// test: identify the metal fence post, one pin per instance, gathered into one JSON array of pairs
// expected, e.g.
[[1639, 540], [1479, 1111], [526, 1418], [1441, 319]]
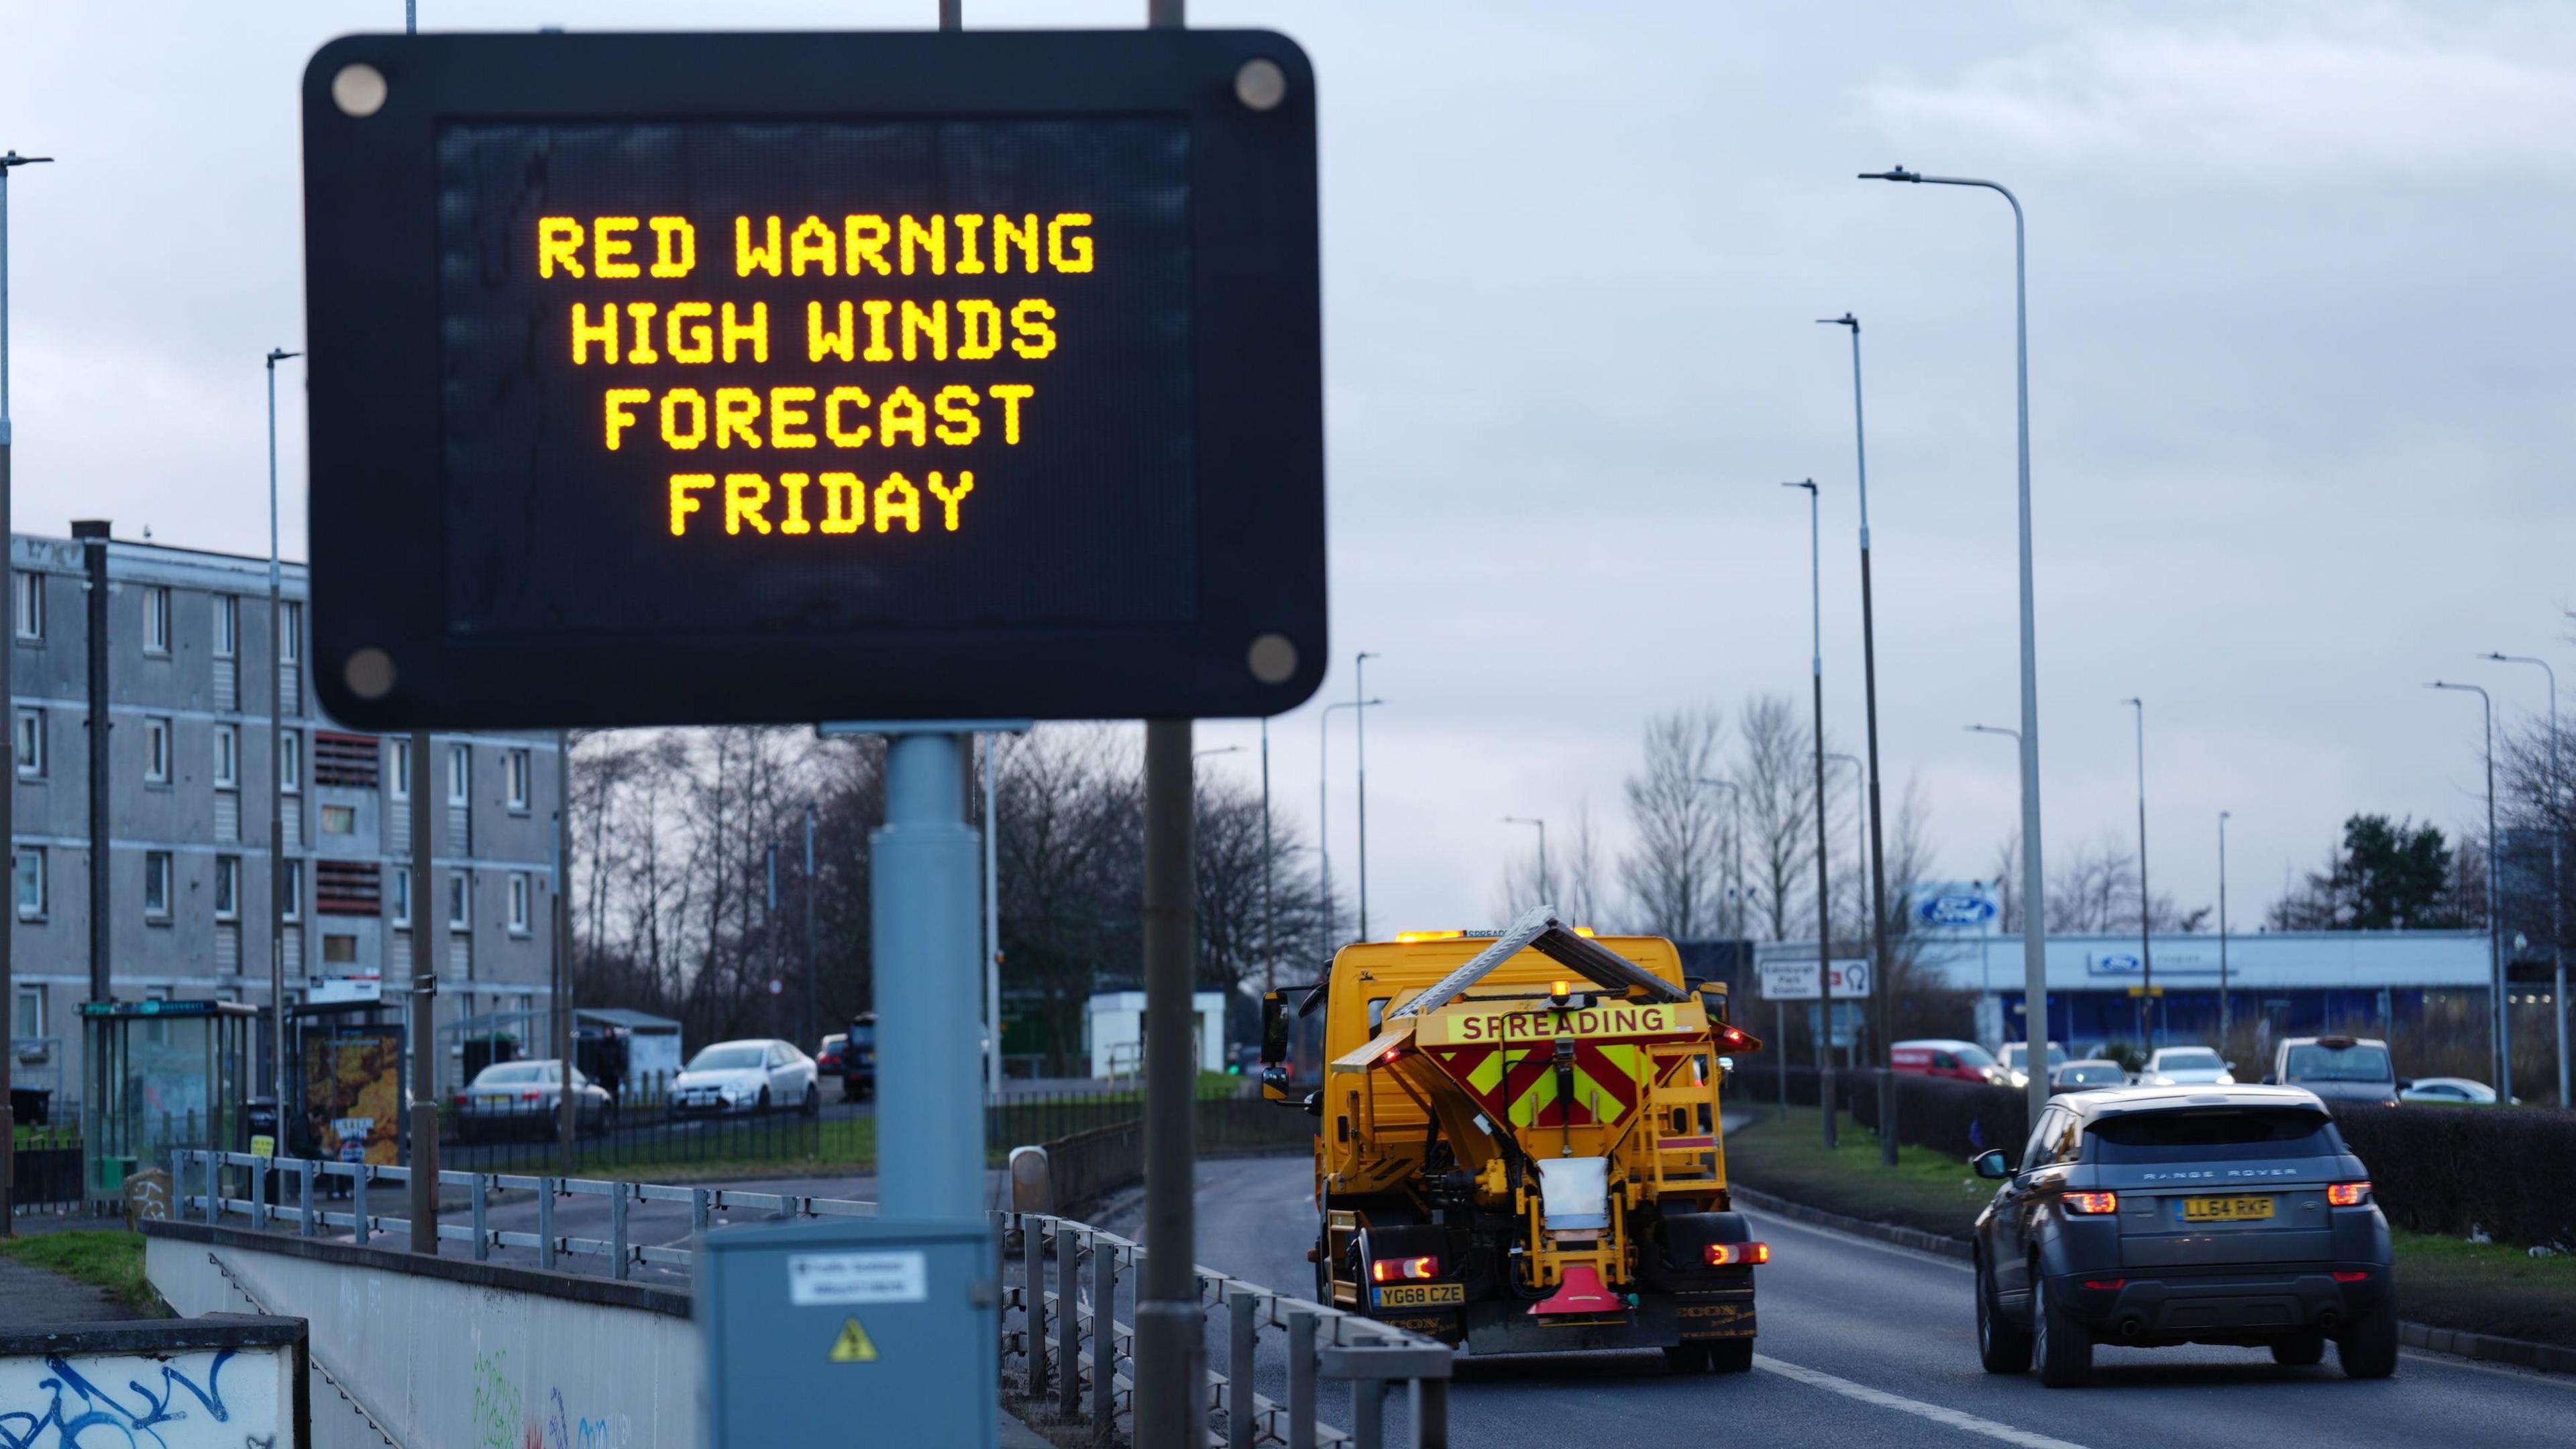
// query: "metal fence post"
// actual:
[[1430, 1414], [1104, 1340], [214, 1187], [312, 1222], [1301, 1379], [1368, 1413], [1033, 1308], [259, 1193], [697, 1212], [482, 1238], [1068, 1322], [617, 1226], [1242, 1329], [358, 1199], [546, 1222]]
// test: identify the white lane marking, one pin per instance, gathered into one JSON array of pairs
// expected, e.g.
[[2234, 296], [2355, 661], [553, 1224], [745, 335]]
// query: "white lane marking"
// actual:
[[1967, 1423], [1898, 1249]]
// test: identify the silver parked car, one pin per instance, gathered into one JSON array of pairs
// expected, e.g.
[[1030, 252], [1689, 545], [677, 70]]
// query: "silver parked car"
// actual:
[[2187, 1066], [753, 1075], [2091, 1075], [523, 1098]]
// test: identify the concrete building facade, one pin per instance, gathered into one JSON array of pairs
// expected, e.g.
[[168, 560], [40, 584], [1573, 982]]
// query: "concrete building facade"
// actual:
[[192, 760]]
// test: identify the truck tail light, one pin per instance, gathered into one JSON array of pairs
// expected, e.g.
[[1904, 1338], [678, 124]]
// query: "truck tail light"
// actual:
[[2092, 1204], [2348, 1194], [1738, 1255], [1389, 1270]]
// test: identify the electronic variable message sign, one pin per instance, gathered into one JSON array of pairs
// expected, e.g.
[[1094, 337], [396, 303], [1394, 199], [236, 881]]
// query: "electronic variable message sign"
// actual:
[[706, 378]]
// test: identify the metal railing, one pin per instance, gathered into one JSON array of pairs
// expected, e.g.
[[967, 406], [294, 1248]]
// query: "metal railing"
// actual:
[[1052, 1332]]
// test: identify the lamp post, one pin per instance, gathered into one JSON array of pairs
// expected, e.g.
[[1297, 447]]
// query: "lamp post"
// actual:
[[2034, 945], [1882, 989], [276, 762], [1543, 891], [2146, 920], [1735, 846], [2225, 1021], [1359, 726], [2503, 1027], [1323, 798], [1269, 874], [8, 783], [1824, 892], [2557, 880], [1860, 852], [2029, 1004]]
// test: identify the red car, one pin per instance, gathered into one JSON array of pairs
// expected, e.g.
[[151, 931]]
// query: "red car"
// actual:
[[827, 1062], [1939, 1057]]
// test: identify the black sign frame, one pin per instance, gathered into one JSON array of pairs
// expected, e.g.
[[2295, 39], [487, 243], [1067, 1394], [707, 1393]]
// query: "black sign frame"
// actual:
[[383, 655]]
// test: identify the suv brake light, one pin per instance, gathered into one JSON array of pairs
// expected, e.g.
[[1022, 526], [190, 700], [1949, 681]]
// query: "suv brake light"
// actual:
[[2092, 1204], [1387, 1270], [1738, 1255], [2348, 1194]]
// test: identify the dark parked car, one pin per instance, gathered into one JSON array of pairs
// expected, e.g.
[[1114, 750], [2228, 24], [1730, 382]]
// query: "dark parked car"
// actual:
[[2152, 1216], [859, 1058], [2338, 1068], [2088, 1076]]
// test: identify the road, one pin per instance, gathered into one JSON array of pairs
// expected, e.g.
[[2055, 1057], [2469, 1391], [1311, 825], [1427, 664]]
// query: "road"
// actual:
[[1868, 1344]]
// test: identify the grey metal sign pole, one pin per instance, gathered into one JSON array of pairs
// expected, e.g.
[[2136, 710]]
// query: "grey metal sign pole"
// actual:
[[276, 792], [423, 1005], [93, 536], [922, 888], [9, 783]]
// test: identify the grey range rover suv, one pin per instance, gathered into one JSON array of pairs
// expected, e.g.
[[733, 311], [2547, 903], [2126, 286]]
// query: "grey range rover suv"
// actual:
[[2153, 1216]]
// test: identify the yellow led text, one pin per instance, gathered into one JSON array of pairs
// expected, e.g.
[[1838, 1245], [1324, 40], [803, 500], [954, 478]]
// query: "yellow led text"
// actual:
[[751, 504], [906, 245], [800, 416]]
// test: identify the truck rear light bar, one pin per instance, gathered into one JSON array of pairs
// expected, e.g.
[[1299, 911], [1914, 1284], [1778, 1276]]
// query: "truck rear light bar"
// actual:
[[1389, 1270], [1738, 1255]]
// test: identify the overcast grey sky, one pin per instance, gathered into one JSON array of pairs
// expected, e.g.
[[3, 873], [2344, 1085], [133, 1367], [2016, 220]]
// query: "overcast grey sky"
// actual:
[[2299, 347]]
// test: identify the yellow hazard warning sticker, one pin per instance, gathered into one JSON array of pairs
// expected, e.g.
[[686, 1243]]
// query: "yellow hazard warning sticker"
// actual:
[[854, 1345]]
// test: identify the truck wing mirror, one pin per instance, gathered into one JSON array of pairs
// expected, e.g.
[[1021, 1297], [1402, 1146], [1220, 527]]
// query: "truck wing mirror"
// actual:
[[1274, 1084]]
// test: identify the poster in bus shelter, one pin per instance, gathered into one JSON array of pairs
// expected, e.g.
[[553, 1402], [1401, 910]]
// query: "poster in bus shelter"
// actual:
[[353, 1094]]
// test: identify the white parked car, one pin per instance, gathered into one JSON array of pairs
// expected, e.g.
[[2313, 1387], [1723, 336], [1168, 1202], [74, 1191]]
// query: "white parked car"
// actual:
[[2187, 1067], [2451, 1091], [754, 1075]]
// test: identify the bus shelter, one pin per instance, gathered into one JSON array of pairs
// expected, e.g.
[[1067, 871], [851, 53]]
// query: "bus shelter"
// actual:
[[158, 1076]]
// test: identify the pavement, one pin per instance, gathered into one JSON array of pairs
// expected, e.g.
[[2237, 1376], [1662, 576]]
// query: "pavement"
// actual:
[[33, 1297], [1864, 1343]]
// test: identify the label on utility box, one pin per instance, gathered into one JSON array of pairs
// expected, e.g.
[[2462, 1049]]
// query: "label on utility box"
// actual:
[[831, 1279]]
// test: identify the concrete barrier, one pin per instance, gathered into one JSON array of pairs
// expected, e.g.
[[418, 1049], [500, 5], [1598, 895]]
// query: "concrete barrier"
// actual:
[[1088, 1166], [426, 1353], [191, 1383]]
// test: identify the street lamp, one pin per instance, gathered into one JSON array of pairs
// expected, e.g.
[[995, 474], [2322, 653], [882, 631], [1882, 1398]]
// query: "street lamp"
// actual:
[[2038, 1043], [1323, 797], [2223, 1019], [277, 760], [2557, 886], [8, 785], [2034, 946], [1735, 845], [2503, 1029], [2146, 930], [1220, 750], [1881, 987], [1359, 726], [1824, 892], [1542, 853]]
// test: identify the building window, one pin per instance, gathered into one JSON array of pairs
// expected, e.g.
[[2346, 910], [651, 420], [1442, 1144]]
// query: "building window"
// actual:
[[520, 892], [228, 887], [339, 820], [227, 625], [156, 751], [398, 766], [29, 1021], [156, 885], [460, 900], [31, 744], [156, 618], [31, 882], [290, 634], [519, 781], [402, 896], [290, 762], [295, 890], [339, 950], [30, 591], [460, 774], [227, 757]]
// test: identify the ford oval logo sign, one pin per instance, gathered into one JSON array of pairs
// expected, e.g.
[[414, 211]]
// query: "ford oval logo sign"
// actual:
[[1955, 909]]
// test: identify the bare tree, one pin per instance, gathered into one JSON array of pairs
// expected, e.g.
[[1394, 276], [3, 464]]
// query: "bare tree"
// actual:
[[1677, 825], [1571, 880], [2094, 892], [1777, 775]]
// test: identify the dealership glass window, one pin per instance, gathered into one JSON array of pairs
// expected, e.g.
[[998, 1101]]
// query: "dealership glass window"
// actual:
[[227, 625], [31, 744], [227, 757], [519, 769], [29, 589], [339, 820], [156, 885], [398, 769], [156, 618], [156, 750], [400, 880], [228, 887], [31, 882], [460, 774], [290, 762], [460, 900], [521, 892], [295, 890]]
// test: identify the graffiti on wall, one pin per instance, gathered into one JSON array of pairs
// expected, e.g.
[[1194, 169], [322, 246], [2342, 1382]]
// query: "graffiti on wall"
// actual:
[[500, 1423], [182, 1401]]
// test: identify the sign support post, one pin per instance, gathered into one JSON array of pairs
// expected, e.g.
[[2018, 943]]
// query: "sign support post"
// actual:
[[922, 888], [1170, 1341]]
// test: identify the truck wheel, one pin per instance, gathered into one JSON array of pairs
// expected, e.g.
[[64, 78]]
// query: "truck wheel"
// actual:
[[1731, 1356], [2300, 1351], [2003, 1346], [1686, 1358], [2058, 1342], [2368, 1350]]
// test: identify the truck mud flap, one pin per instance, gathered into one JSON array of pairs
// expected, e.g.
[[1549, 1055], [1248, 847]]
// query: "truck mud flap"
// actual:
[[1716, 1315], [1507, 1327]]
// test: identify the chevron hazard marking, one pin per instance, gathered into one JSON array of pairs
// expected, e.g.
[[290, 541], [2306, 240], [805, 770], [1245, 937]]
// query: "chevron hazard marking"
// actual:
[[854, 1345]]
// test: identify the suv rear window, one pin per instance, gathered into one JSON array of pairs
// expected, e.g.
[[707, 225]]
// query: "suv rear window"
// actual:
[[2220, 1133], [2321, 1063]]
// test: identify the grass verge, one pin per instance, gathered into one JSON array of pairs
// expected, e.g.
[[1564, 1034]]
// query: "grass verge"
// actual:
[[109, 1260], [2446, 1282]]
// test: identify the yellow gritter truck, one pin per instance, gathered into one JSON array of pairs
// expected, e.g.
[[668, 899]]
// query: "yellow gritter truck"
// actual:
[[1518, 1148]]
